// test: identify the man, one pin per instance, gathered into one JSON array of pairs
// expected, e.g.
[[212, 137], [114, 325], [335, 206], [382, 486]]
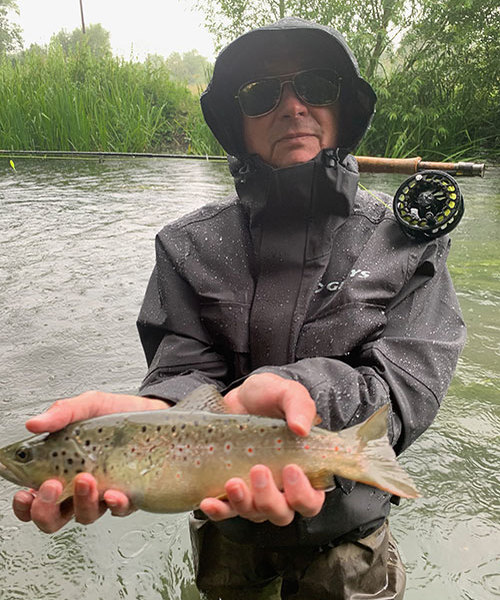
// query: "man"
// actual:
[[300, 295]]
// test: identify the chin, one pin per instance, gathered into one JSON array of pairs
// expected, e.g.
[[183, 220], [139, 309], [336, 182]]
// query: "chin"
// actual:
[[295, 158]]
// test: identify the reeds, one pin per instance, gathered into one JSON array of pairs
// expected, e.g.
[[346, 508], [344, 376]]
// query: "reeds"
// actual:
[[54, 101]]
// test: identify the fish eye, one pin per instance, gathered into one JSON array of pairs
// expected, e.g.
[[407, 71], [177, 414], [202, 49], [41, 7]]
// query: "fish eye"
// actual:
[[23, 454]]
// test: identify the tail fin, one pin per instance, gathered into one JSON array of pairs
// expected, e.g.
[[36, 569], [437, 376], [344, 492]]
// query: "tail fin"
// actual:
[[381, 468]]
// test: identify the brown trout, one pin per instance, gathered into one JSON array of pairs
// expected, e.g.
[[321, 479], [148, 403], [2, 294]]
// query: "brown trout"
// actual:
[[169, 460]]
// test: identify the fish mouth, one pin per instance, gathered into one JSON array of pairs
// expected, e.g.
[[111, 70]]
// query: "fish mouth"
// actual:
[[10, 475]]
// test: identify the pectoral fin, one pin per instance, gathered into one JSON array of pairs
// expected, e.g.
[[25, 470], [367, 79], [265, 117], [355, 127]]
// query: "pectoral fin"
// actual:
[[68, 492], [322, 480]]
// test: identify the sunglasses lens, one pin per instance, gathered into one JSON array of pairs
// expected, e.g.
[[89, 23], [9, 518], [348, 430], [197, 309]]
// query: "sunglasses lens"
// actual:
[[318, 88], [259, 97]]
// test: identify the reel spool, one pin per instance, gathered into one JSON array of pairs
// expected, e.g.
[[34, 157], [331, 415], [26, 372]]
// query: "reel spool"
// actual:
[[428, 205]]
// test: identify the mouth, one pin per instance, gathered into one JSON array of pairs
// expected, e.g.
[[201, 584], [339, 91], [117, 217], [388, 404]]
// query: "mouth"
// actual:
[[8, 474], [294, 136]]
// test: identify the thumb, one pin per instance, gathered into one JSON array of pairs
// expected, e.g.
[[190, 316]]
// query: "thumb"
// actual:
[[89, 405], [56, 417]]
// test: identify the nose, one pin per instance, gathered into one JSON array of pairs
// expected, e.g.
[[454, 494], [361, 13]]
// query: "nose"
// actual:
[[290, 104]]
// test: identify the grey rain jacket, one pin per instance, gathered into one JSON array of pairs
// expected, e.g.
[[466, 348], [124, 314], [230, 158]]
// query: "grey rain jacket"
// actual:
[[303, 275]]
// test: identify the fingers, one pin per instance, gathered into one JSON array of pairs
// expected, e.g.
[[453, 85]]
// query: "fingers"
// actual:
[[42, 507], [45, 513], [273, 396], [87, 506], [268, 500], [22, 505], [299, 493], [118, 503], [88, 405], [263, 501]]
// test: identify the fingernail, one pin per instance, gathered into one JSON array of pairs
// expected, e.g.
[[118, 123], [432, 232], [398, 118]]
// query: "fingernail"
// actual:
[[302, 422], [48, 494], [82, 488], [259, 479], [237, 494], [291, 476]]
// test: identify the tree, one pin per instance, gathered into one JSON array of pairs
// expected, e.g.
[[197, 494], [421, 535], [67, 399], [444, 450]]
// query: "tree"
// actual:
[[190, 67], [95, 38], [434, 65], [10, 34], [370, 26]]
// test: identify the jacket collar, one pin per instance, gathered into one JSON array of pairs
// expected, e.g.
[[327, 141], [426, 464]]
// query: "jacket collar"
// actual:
[[322, 187]]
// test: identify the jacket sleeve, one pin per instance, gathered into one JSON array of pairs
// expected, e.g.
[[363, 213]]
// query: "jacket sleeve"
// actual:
[[178, 350], [409, 366]]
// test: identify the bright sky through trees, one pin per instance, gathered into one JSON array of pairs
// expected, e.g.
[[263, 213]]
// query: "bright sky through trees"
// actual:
[[136, 28]]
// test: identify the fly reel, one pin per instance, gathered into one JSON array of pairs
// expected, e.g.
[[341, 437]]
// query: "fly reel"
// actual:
[[428, 205]]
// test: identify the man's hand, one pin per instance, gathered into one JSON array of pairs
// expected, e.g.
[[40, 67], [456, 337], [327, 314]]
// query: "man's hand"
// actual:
[[41, 506], [269, 395]]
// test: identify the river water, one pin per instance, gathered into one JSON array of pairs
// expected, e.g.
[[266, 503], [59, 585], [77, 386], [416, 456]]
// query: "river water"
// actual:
[[77, 248]]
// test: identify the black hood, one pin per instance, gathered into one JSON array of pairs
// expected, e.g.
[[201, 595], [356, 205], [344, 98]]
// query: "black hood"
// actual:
[[246, 58]]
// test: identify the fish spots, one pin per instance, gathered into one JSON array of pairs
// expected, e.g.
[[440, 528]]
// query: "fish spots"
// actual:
[[278, 444], [306, 447], [250, 450], [229, 464], [228, 447], [211, 449]]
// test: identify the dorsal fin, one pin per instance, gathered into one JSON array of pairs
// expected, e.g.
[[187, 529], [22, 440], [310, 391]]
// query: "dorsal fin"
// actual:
[[204, 398]]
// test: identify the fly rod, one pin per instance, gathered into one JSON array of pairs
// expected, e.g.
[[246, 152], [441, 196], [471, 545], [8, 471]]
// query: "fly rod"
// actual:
[[367, 164], [409, 166]]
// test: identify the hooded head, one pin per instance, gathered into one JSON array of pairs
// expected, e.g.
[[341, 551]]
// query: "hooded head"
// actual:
[[266, 51]]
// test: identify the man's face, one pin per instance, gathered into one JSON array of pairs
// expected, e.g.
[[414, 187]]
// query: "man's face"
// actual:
[[294, 132]]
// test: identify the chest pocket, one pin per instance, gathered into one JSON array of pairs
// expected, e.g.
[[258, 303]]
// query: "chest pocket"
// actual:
[[341, 331], [227, 324]]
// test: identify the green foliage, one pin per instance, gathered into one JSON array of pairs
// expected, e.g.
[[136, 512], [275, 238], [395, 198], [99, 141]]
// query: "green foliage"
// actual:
[[190, 68], [434, 65], [95, 38], [10, 34], [53, 100], [201, 139]]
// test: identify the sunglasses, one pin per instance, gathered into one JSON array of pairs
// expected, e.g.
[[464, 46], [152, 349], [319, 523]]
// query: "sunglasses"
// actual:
[[317, 87]]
